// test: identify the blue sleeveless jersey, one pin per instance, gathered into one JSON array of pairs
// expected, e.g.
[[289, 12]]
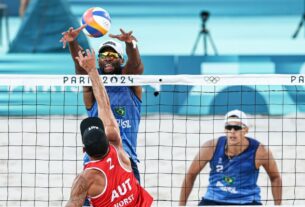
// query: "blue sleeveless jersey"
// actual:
[[233, 180], [126, 108]]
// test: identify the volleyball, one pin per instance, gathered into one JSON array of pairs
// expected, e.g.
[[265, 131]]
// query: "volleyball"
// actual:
[[98, 22]]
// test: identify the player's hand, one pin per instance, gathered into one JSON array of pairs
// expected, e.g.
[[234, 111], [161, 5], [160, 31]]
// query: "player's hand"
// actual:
[[124, 36], [87, 60], [71, 35]]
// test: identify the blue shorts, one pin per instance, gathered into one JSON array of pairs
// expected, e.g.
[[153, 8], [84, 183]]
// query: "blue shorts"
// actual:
[[206, 202]]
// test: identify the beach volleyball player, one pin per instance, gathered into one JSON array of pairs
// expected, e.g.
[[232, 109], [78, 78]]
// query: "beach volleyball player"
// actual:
[[125, 101], [107, 179], [235, 161]]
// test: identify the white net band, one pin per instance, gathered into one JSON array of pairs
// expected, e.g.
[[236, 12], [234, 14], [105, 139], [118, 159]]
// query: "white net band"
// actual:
[[133, 80]]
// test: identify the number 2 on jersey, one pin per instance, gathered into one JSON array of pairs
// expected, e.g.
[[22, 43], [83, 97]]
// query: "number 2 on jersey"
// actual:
[[111, 166]]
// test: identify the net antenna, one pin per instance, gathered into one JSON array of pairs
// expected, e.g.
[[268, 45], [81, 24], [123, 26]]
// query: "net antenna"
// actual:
[[301, 23], [206, 35]]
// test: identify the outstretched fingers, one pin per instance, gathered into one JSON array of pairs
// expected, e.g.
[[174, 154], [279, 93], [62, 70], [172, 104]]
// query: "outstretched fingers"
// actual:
[[134, 38], [93, 52], [64, 38], [69, 30], [81, 28], [113, 36], [129, 33], [122, 31], [80, 57], [125, 33], [86, 60], [90, 53], [64, 42]]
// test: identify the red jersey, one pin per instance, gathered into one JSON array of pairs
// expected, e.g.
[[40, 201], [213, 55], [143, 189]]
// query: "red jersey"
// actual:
[[121, 187]]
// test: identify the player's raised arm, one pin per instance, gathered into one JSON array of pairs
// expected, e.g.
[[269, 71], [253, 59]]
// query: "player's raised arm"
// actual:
[[111, 127], [78, 192], [134, 64], [70, 37]]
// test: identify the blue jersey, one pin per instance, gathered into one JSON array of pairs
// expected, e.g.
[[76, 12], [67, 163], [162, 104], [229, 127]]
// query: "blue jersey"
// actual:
[[126, 107], [233, 180]]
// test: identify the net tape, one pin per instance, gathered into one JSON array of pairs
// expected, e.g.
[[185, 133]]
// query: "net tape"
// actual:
[[133, 80]]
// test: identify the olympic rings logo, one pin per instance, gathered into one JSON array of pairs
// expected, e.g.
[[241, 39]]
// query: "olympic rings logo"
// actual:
[[211, 79]]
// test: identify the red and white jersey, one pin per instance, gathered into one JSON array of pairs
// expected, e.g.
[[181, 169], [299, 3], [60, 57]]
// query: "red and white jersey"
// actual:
[[121, 187]]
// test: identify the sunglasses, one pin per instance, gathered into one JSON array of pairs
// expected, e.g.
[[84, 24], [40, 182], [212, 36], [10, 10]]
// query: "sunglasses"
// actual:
[[113, 55], [235, 127]]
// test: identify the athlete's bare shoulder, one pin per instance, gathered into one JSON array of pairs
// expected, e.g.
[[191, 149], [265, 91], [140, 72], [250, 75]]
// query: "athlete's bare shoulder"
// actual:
[[211, 143], [263, 155], [262, 151], [95, 180], [123, 157], [207, 149]]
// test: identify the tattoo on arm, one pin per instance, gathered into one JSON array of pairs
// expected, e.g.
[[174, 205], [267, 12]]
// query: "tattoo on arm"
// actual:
[[78, 192]]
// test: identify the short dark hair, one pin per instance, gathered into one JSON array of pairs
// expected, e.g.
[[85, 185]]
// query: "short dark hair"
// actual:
[[94, 138]]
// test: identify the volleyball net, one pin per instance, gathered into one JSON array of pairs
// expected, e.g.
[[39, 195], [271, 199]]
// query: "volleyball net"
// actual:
[[41, 149]]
